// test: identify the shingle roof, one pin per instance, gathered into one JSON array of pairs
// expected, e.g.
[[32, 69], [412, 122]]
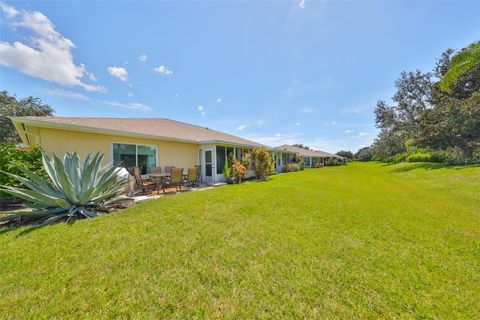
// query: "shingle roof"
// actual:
[[306, 153], [152, 127]]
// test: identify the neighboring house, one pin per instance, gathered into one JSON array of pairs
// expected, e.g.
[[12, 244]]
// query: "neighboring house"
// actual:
[[281, 158], [310, 156], [143, 142]]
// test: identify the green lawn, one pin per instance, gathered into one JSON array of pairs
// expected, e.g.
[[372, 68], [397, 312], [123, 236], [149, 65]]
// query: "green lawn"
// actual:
[[363, 241]]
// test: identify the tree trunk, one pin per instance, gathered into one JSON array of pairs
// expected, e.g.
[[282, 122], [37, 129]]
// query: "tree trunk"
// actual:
[[467, 152]]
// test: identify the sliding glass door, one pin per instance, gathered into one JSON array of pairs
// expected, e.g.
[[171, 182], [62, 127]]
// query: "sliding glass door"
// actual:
[[129, 155]]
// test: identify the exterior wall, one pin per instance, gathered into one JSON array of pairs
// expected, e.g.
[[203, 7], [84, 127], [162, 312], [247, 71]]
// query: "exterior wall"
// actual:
[[54, 141]]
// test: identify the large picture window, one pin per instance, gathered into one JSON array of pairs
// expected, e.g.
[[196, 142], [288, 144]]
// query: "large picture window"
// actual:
[[129, 155]]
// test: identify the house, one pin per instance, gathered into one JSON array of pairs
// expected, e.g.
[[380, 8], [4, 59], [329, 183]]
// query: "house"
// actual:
[[281, 157], [143, 142], [311, 157]]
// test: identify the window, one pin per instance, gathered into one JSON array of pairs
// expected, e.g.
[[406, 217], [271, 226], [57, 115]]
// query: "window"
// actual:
[[221, 155], [239, 153], [129, 155]]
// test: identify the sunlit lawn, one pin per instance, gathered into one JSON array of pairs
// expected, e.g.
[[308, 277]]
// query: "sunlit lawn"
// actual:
[[363, 241]]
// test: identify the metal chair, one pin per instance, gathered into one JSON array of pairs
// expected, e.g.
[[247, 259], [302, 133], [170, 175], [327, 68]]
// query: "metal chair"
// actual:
[[143, 183], [176, 178]]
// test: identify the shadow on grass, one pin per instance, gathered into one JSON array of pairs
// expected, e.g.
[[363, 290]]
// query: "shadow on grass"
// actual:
[[29, 222], [431, 166]]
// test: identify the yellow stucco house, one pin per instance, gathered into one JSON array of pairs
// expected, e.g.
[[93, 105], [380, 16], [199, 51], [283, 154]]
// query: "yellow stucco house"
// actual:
[[143, 142]]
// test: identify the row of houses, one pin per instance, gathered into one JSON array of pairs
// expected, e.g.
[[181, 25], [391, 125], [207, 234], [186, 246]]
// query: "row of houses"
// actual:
[[151, 142]]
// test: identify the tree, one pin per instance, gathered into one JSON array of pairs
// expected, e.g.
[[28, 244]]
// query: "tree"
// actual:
[[301, 146], [345, 154], [363, 154], [452, 123], [412, 98], [454, 119], [461, 63], [10, 106]]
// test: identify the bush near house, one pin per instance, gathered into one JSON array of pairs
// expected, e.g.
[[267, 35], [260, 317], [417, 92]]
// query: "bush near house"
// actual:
[[292, 167], [300, 161], [238, 171], [333, 162], [317, 164], [263, 163], [11, 159]]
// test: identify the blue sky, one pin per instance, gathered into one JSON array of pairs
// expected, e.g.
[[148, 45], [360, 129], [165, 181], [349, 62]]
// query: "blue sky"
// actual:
[[275, 72]]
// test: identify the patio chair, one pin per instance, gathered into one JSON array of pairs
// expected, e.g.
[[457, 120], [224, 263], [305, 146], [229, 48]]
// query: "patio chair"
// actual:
[[143, 183], [168, 169], [199, 171], [191, 176], [176, 178]]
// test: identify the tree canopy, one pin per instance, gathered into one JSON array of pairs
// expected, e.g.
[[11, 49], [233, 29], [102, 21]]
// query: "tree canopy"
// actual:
[[11, 106], [436, 110]]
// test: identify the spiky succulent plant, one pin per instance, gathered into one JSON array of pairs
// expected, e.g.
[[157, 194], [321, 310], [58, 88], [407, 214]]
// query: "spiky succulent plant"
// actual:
[[74, 190]]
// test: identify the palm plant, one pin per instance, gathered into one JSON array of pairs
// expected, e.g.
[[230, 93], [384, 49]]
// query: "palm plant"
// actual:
[[73, 190], [460, 63]]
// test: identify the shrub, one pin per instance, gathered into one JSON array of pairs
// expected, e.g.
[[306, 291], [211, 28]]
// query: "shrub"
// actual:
[[246, 160], [333, 162], [226, 169], [419, 157], [300, 161], [292, 167], [238, 171], [317, 164], [399, 158], [11, 159], [73, 191], [262, 161]]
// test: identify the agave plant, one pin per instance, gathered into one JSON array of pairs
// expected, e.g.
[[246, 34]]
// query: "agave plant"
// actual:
[[74, 190]]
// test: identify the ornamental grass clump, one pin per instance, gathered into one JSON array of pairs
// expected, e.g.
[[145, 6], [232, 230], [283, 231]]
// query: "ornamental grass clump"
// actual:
[[72, 190]]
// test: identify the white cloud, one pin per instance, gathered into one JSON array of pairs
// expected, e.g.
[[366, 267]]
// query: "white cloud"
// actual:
[[119, 72], [163, 70], [132, 106], [64, 93], [48, 56], [348, 131], [91, 76], [130, 94], [10, 11], [143, 57], [78, 96], [363, 134], [241, 127], [219, 100], [202, 110], [297, 123], [301, 4]]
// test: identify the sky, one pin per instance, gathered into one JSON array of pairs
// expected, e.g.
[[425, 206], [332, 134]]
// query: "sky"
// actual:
[[275, 72]]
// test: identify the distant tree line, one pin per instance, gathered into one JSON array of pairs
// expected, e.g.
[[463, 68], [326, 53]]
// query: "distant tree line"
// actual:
[[435, 113]]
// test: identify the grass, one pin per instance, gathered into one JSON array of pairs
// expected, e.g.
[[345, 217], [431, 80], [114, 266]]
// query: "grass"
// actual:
[[358, 241]]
